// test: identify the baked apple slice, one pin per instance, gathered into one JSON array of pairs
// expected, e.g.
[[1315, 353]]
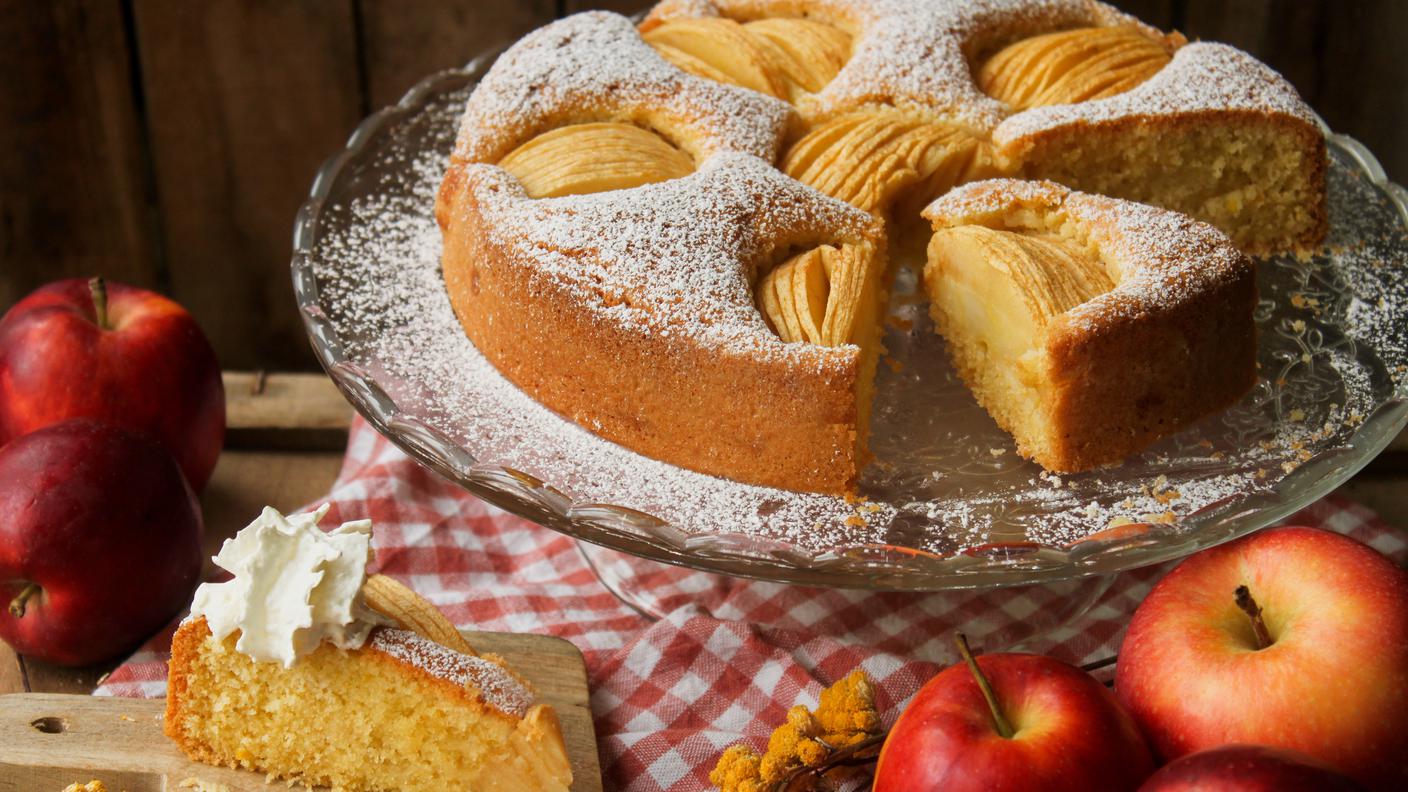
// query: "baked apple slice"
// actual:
[[591, 158]]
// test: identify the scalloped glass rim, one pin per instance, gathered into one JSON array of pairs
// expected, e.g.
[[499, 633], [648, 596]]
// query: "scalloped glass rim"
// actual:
[[854, 566]]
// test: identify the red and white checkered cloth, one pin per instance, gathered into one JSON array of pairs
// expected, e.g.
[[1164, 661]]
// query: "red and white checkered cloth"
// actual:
[[728, 657]]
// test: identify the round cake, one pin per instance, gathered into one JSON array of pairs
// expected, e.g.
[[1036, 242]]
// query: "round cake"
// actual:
[[680, 234]]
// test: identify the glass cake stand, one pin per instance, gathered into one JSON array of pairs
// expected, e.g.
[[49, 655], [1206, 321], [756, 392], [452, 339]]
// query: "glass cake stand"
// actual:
[[948, 505]]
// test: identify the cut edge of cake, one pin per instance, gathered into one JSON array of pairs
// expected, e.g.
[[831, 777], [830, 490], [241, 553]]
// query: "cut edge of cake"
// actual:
[[1172, 341]]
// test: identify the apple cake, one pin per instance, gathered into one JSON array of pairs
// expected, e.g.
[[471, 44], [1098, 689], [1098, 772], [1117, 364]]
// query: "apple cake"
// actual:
[[1088, 326], [680, 234], [301, 635]]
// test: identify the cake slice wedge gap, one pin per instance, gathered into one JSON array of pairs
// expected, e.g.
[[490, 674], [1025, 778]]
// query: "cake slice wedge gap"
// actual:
[[1088, 327]]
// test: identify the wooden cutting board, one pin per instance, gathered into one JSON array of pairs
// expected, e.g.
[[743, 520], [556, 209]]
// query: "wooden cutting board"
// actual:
[[50, 740]]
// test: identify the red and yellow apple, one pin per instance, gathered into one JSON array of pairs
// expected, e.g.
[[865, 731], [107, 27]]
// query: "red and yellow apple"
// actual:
[[1312, 656], [100, 541], [1248, 768], [1013, 722], [81, 349]]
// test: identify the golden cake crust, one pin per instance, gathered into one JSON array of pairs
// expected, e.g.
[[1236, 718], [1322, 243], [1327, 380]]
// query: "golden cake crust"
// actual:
[[627, 356]]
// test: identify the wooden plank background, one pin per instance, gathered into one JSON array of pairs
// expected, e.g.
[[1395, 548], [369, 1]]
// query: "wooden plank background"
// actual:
[[168, 143]]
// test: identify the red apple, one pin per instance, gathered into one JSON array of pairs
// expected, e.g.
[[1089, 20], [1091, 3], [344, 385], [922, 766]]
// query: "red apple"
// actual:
[[116, 353], [1248, 768], [1049, 727], [1322, 668], [100, 541]]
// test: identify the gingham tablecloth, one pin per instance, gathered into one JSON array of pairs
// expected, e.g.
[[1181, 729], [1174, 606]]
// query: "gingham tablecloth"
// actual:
[[727, 658]]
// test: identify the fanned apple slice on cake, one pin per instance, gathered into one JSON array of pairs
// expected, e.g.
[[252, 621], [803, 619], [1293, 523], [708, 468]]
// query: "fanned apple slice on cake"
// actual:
[[589, 158]]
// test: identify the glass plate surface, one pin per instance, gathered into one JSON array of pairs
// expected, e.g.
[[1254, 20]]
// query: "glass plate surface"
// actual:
[[948, 504]]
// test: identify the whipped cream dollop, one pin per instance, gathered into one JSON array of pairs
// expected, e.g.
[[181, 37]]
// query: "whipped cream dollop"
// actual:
[[294, 587]]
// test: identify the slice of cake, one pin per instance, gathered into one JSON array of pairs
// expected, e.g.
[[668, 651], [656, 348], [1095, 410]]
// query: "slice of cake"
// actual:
[[1088, 327], [298, 668]]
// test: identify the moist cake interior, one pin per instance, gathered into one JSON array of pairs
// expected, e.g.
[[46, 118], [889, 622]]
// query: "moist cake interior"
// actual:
[[999, 290], [336, 703], [1243, 175]]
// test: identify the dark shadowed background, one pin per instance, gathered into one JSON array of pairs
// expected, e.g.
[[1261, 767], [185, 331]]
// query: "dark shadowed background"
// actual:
[[169, 143]]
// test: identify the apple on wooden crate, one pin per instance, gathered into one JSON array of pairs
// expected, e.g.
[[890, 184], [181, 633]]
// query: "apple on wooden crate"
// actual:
[[100, 541], [84, 349], [1292, 638]]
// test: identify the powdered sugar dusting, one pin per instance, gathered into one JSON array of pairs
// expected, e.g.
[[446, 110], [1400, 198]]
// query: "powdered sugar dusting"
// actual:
[[909, 55], [498, 687], [916, 54], [913, 55], [1163, 258], [681, 256], [977, 201], [946, 481], [595, 66], [1201, 77]]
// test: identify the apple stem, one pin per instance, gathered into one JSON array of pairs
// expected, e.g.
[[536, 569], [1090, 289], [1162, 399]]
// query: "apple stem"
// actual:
[[1253, 611], [17, 604], [99, 290], [999, 721]]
